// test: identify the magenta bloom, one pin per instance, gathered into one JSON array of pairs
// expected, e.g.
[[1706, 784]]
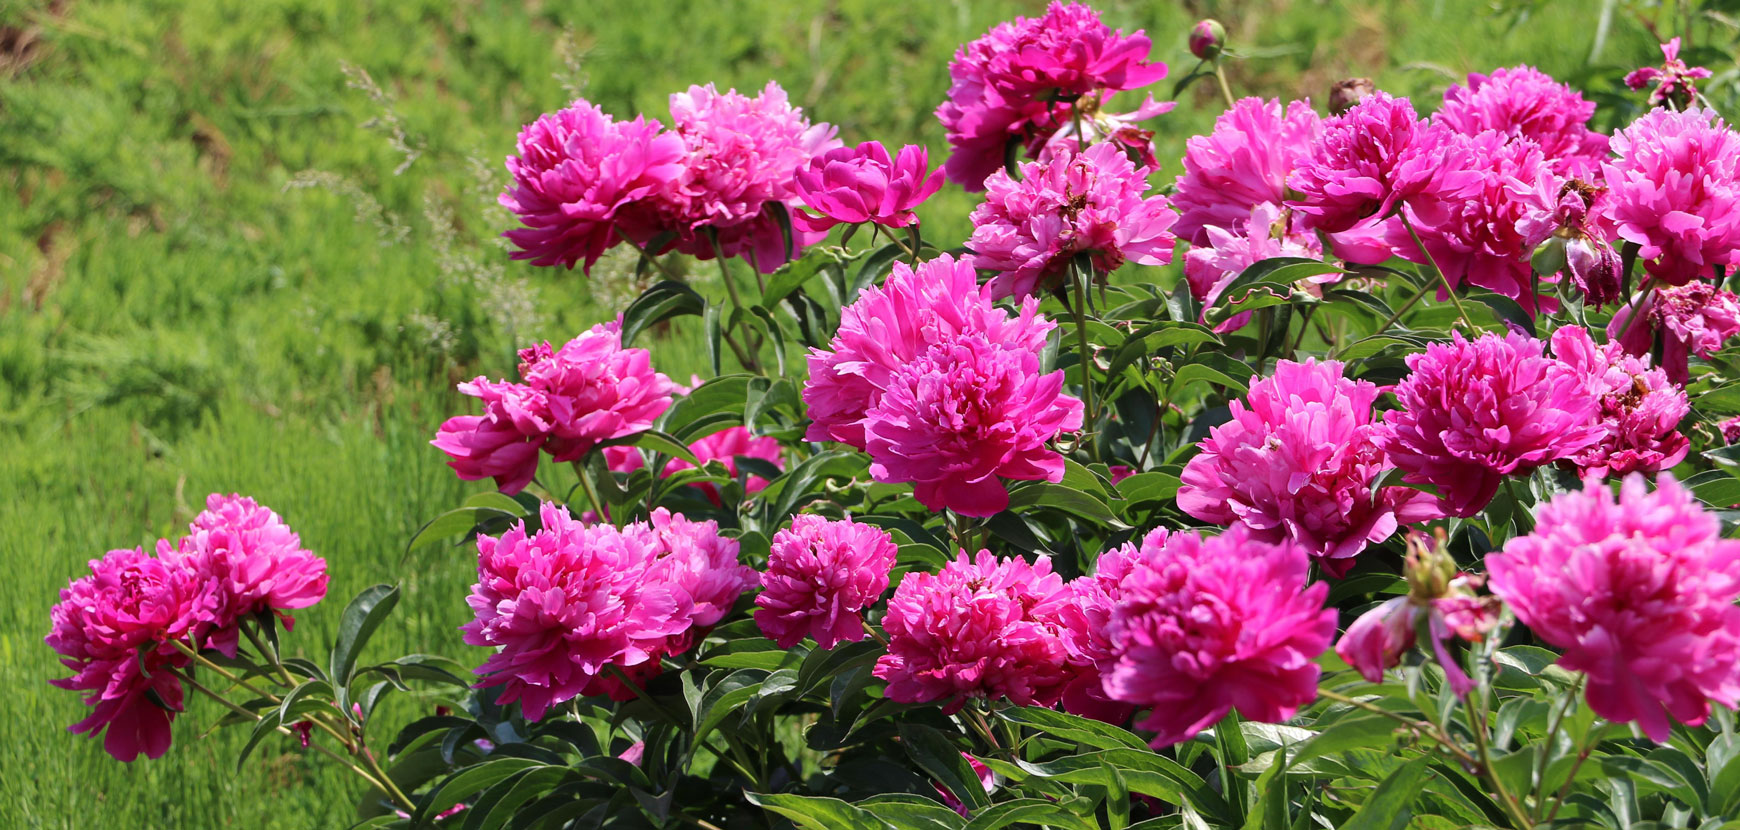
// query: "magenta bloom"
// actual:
[[821, 575], [1205, 626], [1676, 192], [861, 184], [1522, 102], [964, 415], [1673, 79], [1372, 160], [982, 627], [1087, 621], [577, 168], [1297, 462], [1243, 163], [257, 561], [564, 604], [1019, 81], [1694, 318], [890, 326], [1640, 408], [1639, 593], [1210, 268], [1475, 412], [1087, 203]]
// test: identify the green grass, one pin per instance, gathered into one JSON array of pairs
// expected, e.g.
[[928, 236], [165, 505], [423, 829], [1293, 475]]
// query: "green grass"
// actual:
[[214, 279]]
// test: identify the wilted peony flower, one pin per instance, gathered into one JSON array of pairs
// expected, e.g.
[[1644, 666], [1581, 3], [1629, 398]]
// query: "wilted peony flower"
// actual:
[[566, 604], [890, 326], [1522, 102], [1673, 79], [1242, 164], [1567, 232], [577, 168], [1475, 412], [821, 575], [1676, 193], [1212, 267], [964, 415], [1020, 81], [1376, 641], [1297, 461], [257, 562], [1205, 626], [1374, 159], [982, 627], [1639, 592], [862, 184], [1088, 203], [1694, 318], [1347, 92], [1640, 409]]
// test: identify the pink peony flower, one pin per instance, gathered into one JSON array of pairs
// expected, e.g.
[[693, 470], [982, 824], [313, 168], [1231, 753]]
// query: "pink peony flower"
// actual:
[[982, 627], [566, 604], [1523, 102], [1639, 592], [726, 446], [1064, 205], [862, 184], [1640, 409], [1694, 318], [890, 326], [1244, 163], [1673, 79], [257, 561], [1475, 412], [964, 415], [1297, 462], [1372, 160], [1730, 429], [1086, 620], [821, 575], [1210, 268], [576, 170], [1021, 80], [1205, 626], [1676, 192]]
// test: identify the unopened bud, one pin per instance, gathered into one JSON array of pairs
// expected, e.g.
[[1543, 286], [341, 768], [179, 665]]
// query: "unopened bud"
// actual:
[[1207, 39], [1549, 256], [1428, 566], [1346, 93]]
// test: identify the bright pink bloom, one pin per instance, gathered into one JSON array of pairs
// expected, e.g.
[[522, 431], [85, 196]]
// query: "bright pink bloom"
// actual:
[[568, 602], [1210, 268], [982, 627], [1640, 408], [1475, 412], [726, 446], [1297, 461], [1730, 429], [1064, 205], [1372, 160], [1673, 79], [1676, 192], [1639, 592], [577, 168], [1019, 81], [257, 561], [964, 415], [1242, 164], [1205, 626], [1523, 102], [1694, 318], [1087, 620], [862, 184], [890, 326], [821, 575]]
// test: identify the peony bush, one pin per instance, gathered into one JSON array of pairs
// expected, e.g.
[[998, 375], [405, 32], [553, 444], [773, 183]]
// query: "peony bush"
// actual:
[[1396, 491]]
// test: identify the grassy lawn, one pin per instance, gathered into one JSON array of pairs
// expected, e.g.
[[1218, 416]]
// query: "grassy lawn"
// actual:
[[250, 246]]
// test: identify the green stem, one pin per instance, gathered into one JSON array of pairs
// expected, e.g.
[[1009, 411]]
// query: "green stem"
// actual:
[[1558, 722], [1225, 89], [1442, 277], [1506, 800], [591, 493], [648, 258], [271, 654], [747, 359], [1418, 295], [871, 630], [1589, 744], [1087, 361]]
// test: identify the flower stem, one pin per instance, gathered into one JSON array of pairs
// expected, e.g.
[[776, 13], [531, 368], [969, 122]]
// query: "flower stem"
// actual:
[[871, 630], [747, 358], [647, 257], [592, 493], [1079, 310], [270, 654], [1506, 800], [1419, 727], [1397, 315], [1442, 277], [1540, 774], [1225, 89]]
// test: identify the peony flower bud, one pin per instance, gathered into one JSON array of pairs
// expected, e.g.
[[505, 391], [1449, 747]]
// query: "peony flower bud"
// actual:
[[1207, 39], [1344, 94], [1549, 256]]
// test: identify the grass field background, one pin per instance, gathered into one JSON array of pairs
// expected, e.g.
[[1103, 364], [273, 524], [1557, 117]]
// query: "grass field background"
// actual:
[[249, 246]]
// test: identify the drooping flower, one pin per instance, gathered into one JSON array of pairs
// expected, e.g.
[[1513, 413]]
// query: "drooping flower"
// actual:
[[890, 326], [571, 603], [1522, 102], [1065, 205], [575, 171], [1242, 164], [1673, 79], [1021, 81], [821, 575], [1213, 266], [1205, 626], [862, 184], [1639, 592], [1475, 412], [1696, 318], [964, 415], [1447, 598], [256, 560], [1296, 462], [1676, 192], [1574, 220], [982, 627], [1372, 160], [1640, 409]]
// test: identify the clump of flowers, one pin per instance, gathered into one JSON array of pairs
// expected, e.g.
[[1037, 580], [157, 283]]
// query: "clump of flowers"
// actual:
[[982, 627], [1374, 159], [820, 577], [1064, 205], [1242, 164], [1676, 193], [1452, 609], [1474, 412], [1673, 80], [1296, 462], [1640, 409], [1522, 102], [1696, 318], [862, 184], [1639, 591], [588, 391], [1026, 80], [570, 606], [1207, 625], [256, 560]]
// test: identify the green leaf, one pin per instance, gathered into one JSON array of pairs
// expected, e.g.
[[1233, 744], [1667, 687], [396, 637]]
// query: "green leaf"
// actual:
[[1153, 486], [1358, 731], [731, 693], [298, 701], [1505, 309], [360, 619], [1074, 728], [708, 408], [874, 268], [912, 812], [467, 783], [661, 302], [815, 813], [1156, 336], [799, 485], [790, 276], [456, 522], [1267, 282], [266, 725], [938, 756], [1388, 805], [1027, 811], [1058, 497], [1717, 488], [1722, 400], [661, 442], [1145, 771]]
